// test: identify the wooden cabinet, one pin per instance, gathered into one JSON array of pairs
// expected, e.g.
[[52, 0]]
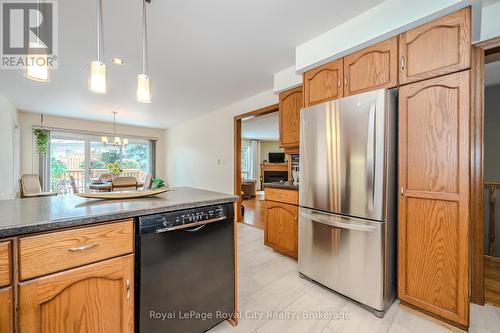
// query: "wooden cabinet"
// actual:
[[96, 298], [289, 115], [436, 48], [57, 251], [282, 195], [434, 199], [374, 67], [324, 83], [280, 231], [5, 263], [6, 308]]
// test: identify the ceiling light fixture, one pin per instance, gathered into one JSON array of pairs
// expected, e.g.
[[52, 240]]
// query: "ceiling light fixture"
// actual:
[[37, 67], [117, 140], [118, 61], [98, 68], [143, 82]]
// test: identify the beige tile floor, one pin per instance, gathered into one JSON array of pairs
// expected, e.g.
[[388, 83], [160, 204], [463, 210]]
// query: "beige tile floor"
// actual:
[[270, 286]]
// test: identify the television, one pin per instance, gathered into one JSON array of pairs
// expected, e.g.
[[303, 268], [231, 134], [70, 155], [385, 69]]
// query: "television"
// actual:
[[276, 157]]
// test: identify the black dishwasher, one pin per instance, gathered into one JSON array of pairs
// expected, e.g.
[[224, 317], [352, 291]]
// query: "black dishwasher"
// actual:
[[184, 270]]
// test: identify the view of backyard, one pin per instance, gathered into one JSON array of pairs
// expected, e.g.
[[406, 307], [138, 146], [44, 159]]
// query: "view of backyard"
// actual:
[[68, 158]]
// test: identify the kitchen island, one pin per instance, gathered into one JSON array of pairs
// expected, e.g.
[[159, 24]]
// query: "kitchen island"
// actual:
[[86, 254]]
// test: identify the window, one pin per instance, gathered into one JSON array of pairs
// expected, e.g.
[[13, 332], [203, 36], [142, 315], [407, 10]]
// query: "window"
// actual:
[[85, 158], [245, 162]]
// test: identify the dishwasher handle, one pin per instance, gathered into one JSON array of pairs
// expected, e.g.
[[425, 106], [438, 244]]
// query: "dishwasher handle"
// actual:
[[337, 223], [188, 227]]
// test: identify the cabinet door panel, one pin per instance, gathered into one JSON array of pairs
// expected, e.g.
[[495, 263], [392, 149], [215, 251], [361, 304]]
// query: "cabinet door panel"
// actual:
[[372, 68], [434, 208], [97, 298], [6, 303], [324, 83], [281, 227], [436, 48], [5, 264], [289, 114]]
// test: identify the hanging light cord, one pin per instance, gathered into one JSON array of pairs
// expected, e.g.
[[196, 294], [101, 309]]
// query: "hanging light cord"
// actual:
[[99, 28], [114, 122], [144, 39]]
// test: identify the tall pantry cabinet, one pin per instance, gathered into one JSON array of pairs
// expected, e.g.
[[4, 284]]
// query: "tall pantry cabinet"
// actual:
[[434, 167]]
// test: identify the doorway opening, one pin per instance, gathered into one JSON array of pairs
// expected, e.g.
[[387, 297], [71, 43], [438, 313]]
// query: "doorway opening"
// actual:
[[491, 176], [256, 143], [485, 173]]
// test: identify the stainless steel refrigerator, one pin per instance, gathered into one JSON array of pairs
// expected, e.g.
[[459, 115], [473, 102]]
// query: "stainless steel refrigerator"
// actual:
[[347, 198]]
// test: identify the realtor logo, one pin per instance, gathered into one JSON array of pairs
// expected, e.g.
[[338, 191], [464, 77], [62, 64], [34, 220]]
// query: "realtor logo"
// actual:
[[29, 33]]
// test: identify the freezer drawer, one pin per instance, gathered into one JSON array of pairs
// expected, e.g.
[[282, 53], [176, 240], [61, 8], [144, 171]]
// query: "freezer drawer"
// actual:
[[344, 254]]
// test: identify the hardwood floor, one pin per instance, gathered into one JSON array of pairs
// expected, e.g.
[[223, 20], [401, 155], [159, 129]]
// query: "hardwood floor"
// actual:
[[254, 211], [492, 280]]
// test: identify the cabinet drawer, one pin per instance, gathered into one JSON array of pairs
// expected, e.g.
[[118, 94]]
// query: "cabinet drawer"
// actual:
[[280, 195], [58, 251], [5, 263]]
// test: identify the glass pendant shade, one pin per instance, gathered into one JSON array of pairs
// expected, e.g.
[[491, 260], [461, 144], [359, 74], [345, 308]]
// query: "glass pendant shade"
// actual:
[[98, 77], [37, 67], [117, 141], [125, 141], [104, 140], [143, 89]]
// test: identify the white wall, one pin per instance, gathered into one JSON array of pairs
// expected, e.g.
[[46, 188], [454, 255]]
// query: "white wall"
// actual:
[[385, 20], [9, 149], [269, 147], [286, 79], [29, 158], [200, 152], [490, 21]]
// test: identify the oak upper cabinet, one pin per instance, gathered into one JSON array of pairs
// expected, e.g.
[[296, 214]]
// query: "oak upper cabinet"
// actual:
[[374, 67], [434, 196], [324, 83], [289, 115], [280, 231], [436, 48], [6, 308], [96, 298]]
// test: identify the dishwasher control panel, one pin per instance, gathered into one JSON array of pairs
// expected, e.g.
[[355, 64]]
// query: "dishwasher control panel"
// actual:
[[153, 223]]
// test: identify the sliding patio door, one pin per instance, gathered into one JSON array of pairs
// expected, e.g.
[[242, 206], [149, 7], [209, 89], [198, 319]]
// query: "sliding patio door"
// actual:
[[84, 157], [67, 158]]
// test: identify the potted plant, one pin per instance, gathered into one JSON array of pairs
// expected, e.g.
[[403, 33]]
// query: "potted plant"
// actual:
[[157, 183], [114, 168], [42, 140]]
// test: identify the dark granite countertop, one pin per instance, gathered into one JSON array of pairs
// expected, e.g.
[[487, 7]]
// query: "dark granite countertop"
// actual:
[[283, 185], [25, 216]]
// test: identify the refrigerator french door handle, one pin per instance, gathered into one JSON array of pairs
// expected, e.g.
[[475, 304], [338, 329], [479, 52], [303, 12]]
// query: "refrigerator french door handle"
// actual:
[[370, 156], [334, 222]]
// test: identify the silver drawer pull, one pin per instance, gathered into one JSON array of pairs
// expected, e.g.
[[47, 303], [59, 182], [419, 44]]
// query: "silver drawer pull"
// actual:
[[127, 284], [83, 247]]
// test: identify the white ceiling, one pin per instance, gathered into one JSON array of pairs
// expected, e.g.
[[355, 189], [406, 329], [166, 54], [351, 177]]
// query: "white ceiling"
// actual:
[[204, 55], [264, 128]]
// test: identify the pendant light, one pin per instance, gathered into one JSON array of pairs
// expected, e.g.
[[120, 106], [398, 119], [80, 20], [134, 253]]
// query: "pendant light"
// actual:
[[143, 83], [37, 67], [98, 68], [117, 140]]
